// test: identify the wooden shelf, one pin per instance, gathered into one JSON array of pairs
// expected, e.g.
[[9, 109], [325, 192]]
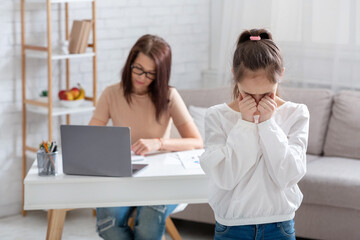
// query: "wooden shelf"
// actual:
[[56, 1], [59, 110], [56, 55], [29, 52]]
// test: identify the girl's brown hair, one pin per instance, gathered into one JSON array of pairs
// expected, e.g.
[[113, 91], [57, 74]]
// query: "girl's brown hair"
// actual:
[[253, 55], [158, 50]]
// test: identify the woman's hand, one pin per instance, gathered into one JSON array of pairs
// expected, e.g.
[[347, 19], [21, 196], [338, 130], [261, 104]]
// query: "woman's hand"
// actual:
[[247, 107], [143, 146], [266, 106]]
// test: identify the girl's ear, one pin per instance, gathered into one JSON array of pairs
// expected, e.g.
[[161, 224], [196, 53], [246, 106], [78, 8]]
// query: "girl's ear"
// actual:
[[240, 96], [282, 72]]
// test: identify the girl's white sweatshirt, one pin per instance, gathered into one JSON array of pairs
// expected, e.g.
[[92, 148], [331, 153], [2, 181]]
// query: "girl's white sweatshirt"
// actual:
[[254, 168]]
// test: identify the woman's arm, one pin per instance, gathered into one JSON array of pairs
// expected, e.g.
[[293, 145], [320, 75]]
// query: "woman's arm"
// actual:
[[96, 122], [191, 139], [102, 110]]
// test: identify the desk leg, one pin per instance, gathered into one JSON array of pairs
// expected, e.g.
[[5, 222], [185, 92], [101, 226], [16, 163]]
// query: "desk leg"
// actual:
[[56, 220]]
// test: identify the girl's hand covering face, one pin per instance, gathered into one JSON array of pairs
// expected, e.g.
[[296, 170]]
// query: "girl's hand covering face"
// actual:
[[266, 107], [247, 107]]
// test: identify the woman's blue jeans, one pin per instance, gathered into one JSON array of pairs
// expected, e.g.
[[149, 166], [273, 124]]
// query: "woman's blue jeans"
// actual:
[[112, 222], [271, 231]]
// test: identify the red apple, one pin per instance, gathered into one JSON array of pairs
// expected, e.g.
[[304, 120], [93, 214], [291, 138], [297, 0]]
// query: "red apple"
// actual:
[[75, 92], [69, 96], [62, 95]]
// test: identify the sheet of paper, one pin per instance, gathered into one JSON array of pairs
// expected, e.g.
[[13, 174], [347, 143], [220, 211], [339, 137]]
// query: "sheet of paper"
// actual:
[[190, 159], [171, 159], [136, 158]]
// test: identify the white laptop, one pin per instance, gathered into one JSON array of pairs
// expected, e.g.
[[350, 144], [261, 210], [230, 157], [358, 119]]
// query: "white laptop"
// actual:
[[97, 151]]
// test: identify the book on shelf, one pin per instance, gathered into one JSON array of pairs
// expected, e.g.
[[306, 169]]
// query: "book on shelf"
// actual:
[[75, 29], [86, 35], [79, 36]]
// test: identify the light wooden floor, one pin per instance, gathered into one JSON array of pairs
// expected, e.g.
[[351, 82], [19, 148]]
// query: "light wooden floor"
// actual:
[[80, 225]]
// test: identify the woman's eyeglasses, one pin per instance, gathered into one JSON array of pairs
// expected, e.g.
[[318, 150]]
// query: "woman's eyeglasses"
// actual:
[[139, 71]]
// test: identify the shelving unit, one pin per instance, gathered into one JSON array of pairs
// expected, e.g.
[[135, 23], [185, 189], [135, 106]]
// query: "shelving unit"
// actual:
[[50, 108], [58, 56]]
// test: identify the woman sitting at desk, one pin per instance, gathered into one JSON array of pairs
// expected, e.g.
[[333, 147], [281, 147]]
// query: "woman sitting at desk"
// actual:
[[144, 102]]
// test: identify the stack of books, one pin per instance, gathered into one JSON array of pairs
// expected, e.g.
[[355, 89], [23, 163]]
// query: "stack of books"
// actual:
[[79, 36]]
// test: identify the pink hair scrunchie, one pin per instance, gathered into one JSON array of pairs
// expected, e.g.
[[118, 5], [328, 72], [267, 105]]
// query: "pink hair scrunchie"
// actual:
[[255, 38]]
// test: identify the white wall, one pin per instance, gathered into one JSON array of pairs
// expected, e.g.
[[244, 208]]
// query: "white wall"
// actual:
[[319, 39], [183, 23]]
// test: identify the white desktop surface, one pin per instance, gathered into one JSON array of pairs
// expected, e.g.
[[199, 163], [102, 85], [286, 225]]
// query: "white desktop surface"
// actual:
[[164, 181]]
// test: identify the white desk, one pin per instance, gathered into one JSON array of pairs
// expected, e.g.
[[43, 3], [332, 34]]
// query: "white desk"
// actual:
[[164, 181]]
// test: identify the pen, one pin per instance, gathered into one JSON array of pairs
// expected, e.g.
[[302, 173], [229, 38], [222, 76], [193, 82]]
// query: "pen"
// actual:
[[52, 147]]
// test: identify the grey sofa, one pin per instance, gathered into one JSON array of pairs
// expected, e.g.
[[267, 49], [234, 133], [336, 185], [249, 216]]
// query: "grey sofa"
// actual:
[[331, 186]]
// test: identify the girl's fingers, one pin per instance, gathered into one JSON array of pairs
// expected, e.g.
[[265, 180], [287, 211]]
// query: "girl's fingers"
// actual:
[[247, 106], [248, 100], [271, 102], [253, 109], [251, 105], [244, 98], [268, 100], [264, 106], [261, 108]]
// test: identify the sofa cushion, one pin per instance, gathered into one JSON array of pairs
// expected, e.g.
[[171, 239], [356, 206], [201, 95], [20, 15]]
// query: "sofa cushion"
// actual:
[[333, 182], [197, 212], [343, 137], [319, 103], [310, 157], [206, 97], [198, 114]]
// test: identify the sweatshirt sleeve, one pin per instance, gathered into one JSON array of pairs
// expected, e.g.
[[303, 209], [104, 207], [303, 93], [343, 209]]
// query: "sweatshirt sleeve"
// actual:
[[285, 155], [228, 157]]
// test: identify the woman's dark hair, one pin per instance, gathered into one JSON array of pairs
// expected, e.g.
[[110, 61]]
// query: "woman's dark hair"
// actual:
[[158, 50], [255, 54]]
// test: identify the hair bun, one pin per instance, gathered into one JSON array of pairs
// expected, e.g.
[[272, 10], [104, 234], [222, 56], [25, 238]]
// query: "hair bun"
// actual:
[[245, 35], [265, 35]]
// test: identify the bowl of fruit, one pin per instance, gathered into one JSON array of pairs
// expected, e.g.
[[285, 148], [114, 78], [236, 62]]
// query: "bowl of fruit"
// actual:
[[73, 97]]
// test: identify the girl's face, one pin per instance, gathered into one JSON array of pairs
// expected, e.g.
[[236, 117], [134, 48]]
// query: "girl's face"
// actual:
[[143, 73], [257, 85]]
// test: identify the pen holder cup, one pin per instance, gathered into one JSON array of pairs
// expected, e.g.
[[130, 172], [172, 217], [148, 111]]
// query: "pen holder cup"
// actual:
[[47, 163]]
